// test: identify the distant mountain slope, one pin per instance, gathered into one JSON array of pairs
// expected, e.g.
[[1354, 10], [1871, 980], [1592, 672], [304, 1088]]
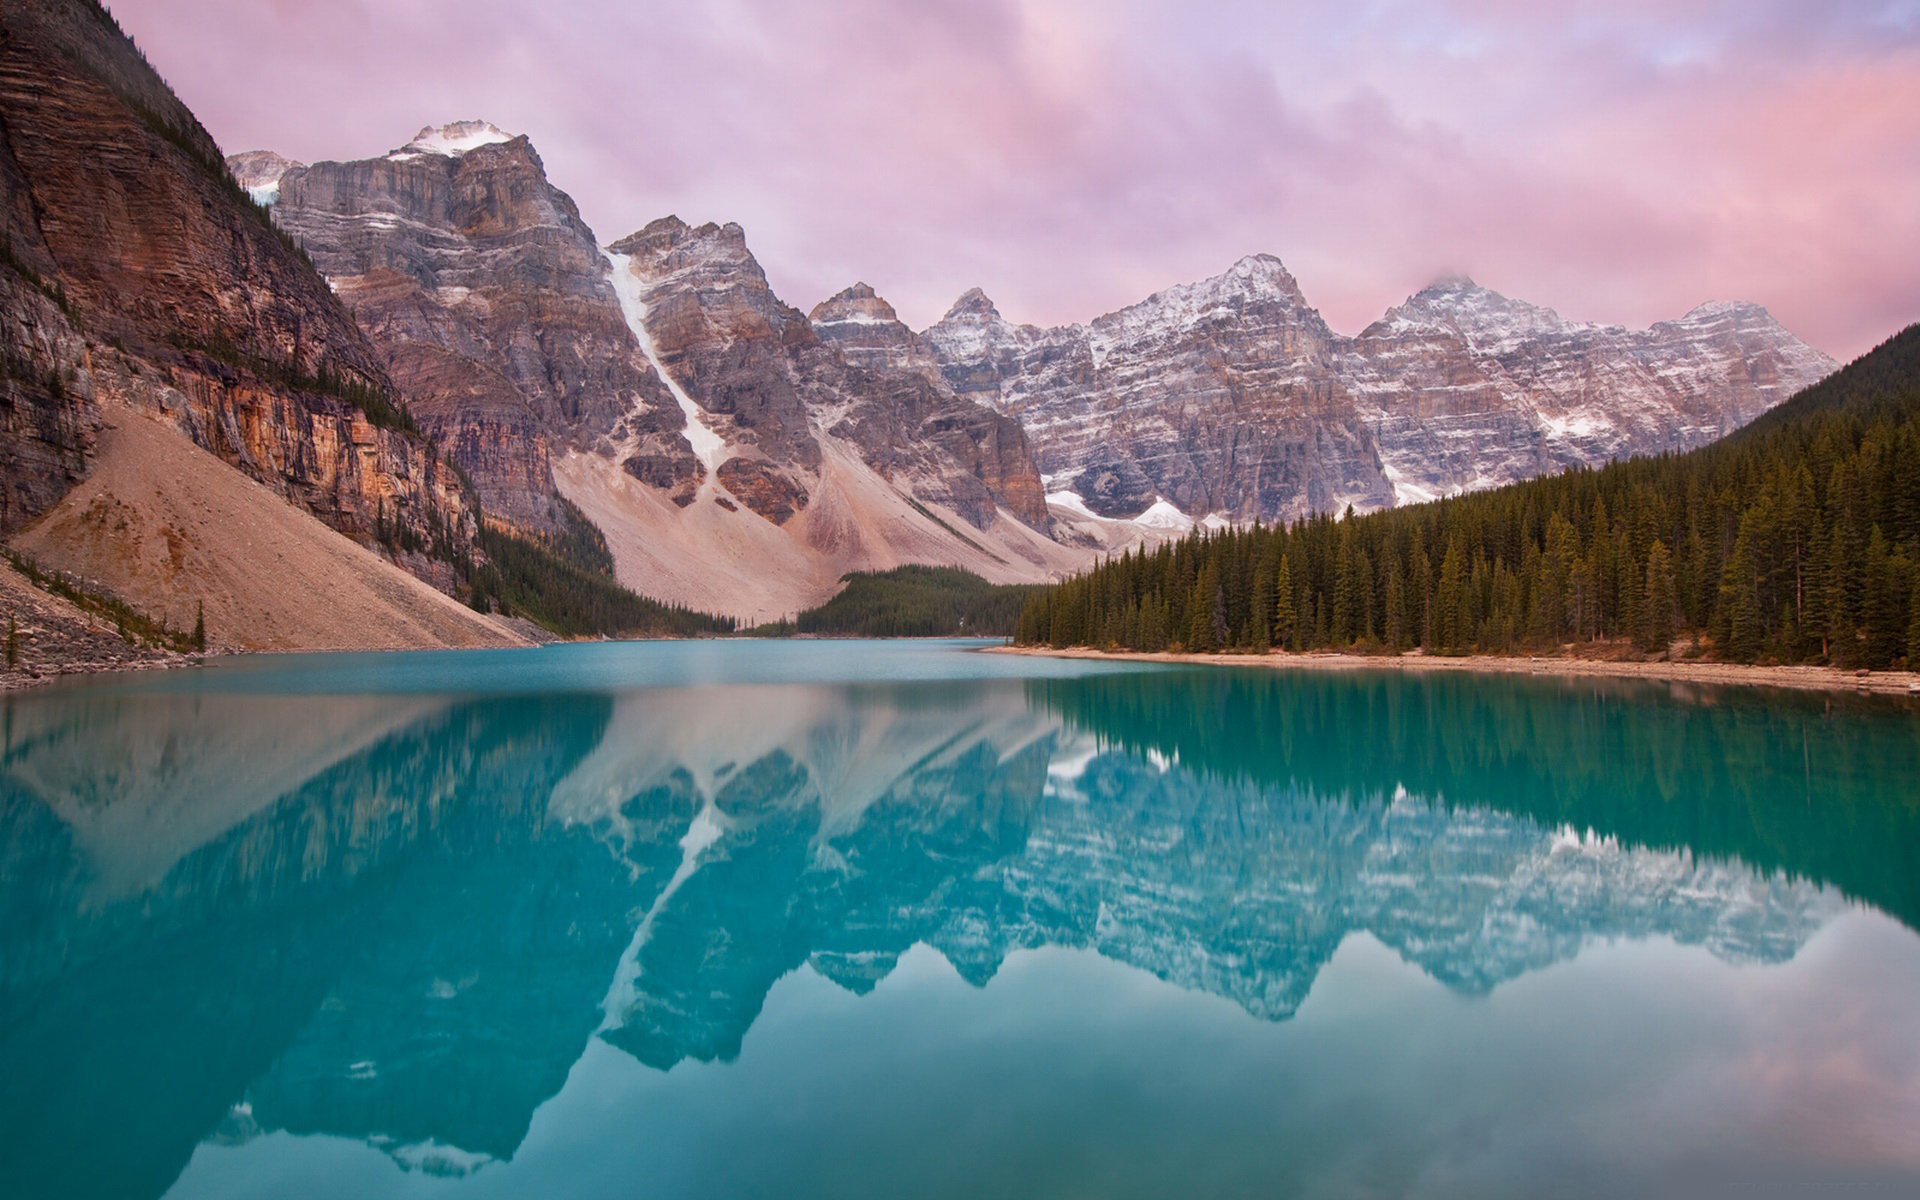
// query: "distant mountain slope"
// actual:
[[1231, 396], [1796, 539]]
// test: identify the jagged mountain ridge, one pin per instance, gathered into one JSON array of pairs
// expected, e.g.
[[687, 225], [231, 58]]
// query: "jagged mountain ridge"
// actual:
[[1231, 396], [487, 295], [729, 453], [544, 359]]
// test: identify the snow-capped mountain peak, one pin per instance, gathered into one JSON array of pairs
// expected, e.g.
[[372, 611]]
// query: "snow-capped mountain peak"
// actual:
[[453, 140]]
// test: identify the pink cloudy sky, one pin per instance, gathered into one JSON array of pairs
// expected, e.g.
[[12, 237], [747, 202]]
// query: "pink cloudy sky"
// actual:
[[1070, 156]]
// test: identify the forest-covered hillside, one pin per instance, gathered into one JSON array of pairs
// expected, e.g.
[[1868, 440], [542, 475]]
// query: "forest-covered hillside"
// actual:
[[1796, 539]]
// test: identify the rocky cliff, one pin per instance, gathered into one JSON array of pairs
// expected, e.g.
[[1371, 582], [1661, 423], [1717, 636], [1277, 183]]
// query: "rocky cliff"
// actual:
[[488, 299], [138, 273], [1232, 398]]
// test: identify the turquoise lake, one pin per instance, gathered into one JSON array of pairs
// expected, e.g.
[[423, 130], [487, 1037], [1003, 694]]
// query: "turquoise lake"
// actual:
[[811, 919]]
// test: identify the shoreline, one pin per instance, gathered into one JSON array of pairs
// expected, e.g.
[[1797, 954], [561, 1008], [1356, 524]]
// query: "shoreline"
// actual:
[[1810, 678], [1799, 678]]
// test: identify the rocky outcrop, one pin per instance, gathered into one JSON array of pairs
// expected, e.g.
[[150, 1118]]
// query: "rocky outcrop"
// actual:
[[1232, 397], [1216, 397], [139, 273], [913, 415], [489, 299]]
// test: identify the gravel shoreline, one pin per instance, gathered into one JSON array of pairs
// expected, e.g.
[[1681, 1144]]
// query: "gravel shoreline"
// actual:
[[1893, 683]]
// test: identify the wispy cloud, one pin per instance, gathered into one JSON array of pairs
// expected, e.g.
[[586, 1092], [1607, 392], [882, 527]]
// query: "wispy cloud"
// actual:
[[1622, 163]]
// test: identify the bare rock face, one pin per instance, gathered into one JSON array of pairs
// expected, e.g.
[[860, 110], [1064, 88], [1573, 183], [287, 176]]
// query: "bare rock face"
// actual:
[[913, 420], [490, 299], [1216, 397], [1231, 397], [1464, 388], [723, 335], [869, 334], [138, 272]]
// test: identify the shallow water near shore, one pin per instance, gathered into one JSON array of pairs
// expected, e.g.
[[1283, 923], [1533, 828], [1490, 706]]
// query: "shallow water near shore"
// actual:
[[829, 918]]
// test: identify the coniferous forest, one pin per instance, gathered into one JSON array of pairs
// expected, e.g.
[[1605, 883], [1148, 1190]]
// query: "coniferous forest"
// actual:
[[1794, 540]]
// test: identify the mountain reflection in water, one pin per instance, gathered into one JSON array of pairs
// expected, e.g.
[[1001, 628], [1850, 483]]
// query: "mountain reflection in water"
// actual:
[[403, 916]]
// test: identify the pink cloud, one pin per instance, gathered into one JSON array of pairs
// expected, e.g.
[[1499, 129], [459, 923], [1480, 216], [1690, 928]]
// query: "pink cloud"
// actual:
[[1071, 156]]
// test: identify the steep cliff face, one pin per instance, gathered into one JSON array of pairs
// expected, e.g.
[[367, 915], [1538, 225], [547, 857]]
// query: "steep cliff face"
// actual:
[[489, 300], [909, 419], [1464, 388], [1214, 398], [1231, 397], [139, 274]]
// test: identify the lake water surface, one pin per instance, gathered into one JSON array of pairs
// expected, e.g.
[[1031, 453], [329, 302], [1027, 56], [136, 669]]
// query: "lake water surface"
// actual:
[[871, 919]]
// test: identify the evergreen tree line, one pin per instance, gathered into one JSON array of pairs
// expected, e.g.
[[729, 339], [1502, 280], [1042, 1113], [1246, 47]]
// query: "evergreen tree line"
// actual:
[[912, 601], [1796, 539]]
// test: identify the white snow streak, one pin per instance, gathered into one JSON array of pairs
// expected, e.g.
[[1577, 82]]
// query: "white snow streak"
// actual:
[[708, 446]]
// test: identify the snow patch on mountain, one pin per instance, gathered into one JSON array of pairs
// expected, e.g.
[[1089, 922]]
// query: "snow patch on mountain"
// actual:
[[1160, 515], [451, 141]]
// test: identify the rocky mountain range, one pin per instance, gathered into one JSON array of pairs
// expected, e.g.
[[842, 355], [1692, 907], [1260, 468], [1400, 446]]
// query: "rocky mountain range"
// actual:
[[1232, 398], [662, 387], [733, 456]]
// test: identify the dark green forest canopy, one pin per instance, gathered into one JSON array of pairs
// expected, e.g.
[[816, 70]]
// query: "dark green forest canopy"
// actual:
[[1795, 539], [914, 601]]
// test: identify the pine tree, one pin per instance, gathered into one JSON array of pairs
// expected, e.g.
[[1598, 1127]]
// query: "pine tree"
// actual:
[[1346, 588], [1397, 631], [1450, 600], [1659, 601], [1200, 639], [200, 626], [13, 643], [1286, 620], [1739, 599], [1260, 618], [1881, 613]]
